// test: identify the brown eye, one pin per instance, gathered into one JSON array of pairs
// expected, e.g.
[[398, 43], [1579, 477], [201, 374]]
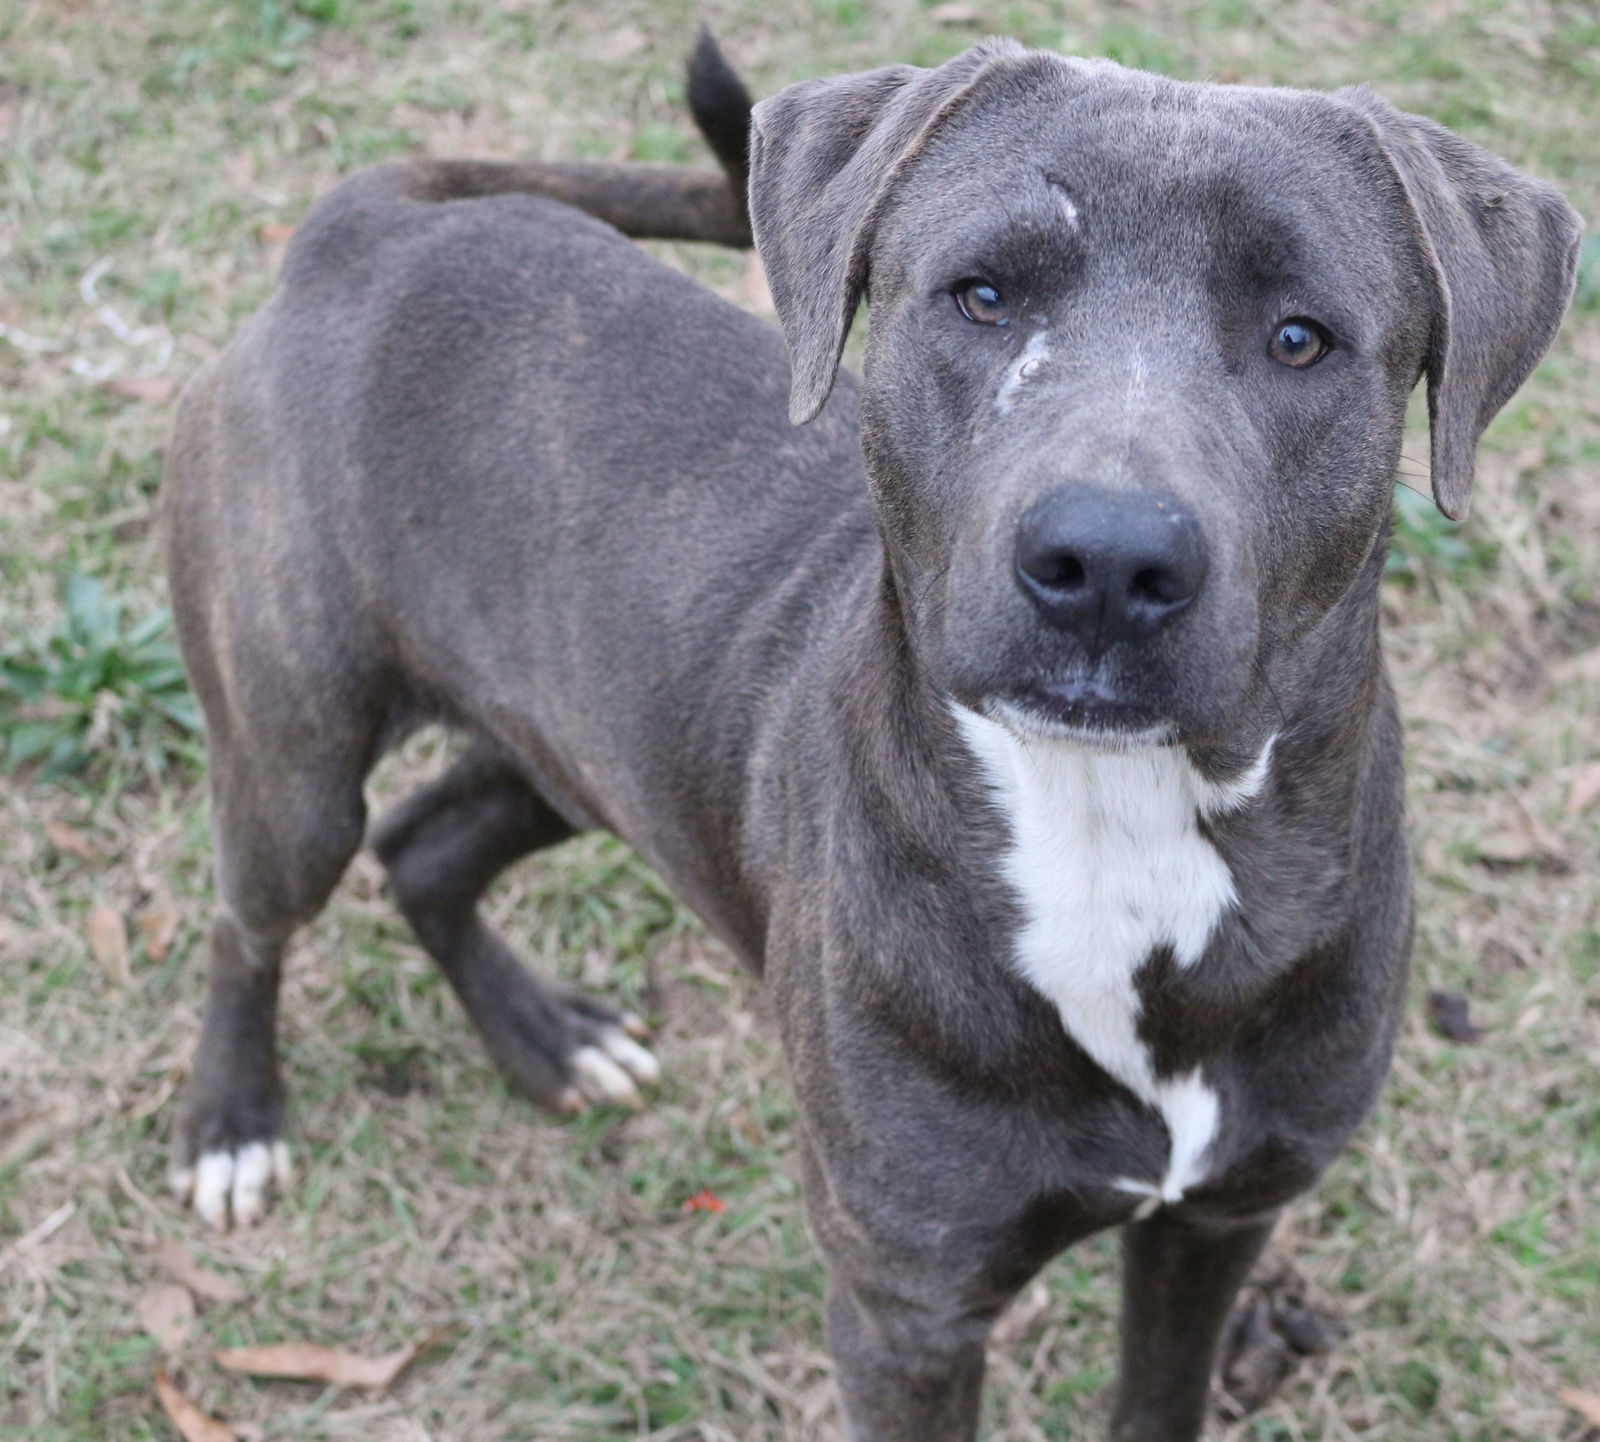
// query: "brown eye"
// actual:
[[1299, 343], [981, 302]]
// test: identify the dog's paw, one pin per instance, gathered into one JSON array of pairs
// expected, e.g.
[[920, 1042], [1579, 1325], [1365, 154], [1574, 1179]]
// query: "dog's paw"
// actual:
[[609, 1068], [232, 1186]]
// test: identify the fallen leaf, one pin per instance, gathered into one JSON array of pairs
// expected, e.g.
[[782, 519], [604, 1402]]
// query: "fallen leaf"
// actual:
[[181, 1267], [1451, 1014], [70, 840], [955, 14], [166, 1312], [1585, 1404], [108, 939], [307, 1362], [152, 390], [1522, 840], [705, 1200], [158, 929], [193, 1425], [1585, 789], [274, 234]]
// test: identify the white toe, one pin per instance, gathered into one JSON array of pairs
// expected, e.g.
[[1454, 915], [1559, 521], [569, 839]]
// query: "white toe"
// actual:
[[213, 1180], [630, 1056], [601, 1080], [282, 1166], [252, 1175]]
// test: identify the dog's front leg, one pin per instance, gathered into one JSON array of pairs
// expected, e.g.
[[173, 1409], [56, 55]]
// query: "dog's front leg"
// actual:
[[906, 1370], [917, 1274], [1179, 1281]]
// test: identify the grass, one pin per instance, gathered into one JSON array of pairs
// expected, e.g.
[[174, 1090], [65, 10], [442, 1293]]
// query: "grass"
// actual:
[[163, 147]]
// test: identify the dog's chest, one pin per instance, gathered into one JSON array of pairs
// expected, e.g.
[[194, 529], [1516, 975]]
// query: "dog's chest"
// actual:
[[1110, 865]]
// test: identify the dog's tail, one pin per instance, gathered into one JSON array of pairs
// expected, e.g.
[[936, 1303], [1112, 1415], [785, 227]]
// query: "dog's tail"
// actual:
[[644, 200], [721, 107]]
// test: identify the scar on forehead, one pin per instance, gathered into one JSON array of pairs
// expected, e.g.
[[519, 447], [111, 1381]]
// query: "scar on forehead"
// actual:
[[1069, 208]]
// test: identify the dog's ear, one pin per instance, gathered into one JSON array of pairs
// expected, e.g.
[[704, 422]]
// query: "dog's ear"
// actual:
[[1502, 249], [824, 155]]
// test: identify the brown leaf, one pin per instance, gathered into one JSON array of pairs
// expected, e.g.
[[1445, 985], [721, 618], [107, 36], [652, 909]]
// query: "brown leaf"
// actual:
[[1451, 1014], [274, 234], [166, 1312], [1585, 789], [158, 928], [181, 1267], [1585, 1404], [307, 1362], [70, 840], [152, 390], [108, 939], [956, 14], [193, 1425], [1522, 840]]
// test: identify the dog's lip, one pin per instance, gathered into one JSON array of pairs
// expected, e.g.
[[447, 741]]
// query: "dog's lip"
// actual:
[[1084, 710]]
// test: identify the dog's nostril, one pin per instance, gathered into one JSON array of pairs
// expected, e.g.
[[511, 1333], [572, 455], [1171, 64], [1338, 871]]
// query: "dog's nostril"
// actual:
[[1157, 585], [1060, 572]]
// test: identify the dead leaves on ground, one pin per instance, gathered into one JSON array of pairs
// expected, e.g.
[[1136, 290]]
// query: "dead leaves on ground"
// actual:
[[308, 1362], [70, 841], [1585, 1404], [1523, 840], [107, 932], [166, 1312], [108, 940], [202, 1281], [193, 1424], [158, 928], [1585, 789]]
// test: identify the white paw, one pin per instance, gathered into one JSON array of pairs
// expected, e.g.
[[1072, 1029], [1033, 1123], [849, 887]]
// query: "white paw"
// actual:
[[234, 1186], [613, 1071]]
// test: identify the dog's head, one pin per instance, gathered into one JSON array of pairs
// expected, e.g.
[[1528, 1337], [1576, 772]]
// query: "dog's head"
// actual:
[[1139, 357]]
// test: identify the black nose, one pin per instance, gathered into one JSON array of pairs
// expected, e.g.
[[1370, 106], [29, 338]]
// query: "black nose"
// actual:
[[1110, 566]]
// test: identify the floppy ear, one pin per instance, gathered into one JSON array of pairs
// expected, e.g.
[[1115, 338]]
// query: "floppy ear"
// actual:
[[1503, 251], [824, 155]]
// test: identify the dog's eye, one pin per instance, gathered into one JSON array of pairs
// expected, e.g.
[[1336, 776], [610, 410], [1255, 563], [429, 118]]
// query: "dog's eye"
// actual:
[[1299, 343], [981, 302]]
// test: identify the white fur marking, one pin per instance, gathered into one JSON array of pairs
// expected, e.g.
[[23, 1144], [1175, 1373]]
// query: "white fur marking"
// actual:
[[601, 1080], [1069, 211], [252, 1175], [236, 1184], [213, 1180], [1109, 864], [630, 1056], [1034, 355]]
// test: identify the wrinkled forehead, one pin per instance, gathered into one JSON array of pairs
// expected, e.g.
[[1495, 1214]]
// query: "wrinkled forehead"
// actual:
[[1103, 165]]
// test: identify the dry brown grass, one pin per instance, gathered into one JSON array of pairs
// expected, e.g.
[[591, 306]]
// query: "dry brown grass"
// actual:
[[1460, 1238]]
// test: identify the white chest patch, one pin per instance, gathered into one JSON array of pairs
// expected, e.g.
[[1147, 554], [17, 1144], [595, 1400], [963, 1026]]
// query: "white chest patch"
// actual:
[[1109, 863]]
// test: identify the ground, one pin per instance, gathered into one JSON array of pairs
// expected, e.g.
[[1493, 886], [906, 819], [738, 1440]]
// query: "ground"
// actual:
[[152, 160]]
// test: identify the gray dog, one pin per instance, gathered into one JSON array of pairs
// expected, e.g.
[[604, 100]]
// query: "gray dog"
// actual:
[[1019, 715]]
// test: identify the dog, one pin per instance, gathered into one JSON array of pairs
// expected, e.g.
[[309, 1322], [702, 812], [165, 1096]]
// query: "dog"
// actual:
[[1017, 710]]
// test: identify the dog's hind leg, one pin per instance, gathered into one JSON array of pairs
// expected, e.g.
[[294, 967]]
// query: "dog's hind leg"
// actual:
[[283, 834], [1179, 1281], [442, 847]]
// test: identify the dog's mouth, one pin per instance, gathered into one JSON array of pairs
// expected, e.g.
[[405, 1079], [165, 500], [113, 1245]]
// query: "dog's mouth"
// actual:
[[1085, 711]]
